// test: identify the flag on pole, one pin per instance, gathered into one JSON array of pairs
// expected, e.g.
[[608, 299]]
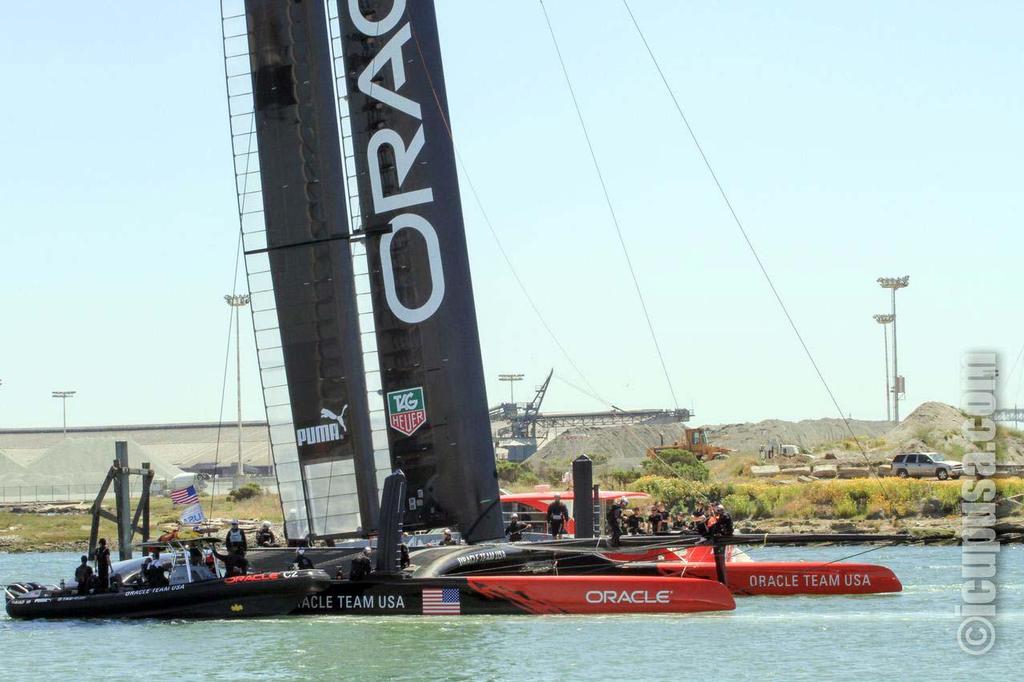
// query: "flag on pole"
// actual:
[[185, 496], [193, 515]]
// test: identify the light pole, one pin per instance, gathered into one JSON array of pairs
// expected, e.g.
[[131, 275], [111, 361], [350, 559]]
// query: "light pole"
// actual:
[[895, 283], [63, 396], [236, 301], [511, 379], [884, 320]]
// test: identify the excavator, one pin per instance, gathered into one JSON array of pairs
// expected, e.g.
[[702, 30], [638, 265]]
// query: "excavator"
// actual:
[[696, 441]]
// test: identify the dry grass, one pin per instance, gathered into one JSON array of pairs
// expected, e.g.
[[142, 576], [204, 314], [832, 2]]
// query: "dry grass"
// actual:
[[27, 531]]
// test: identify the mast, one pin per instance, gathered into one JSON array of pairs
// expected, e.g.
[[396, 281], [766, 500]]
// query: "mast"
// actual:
[[424, 316]]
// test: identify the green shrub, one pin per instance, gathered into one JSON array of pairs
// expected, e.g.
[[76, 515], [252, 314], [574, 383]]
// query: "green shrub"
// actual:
[[245, 491], [678, 463]]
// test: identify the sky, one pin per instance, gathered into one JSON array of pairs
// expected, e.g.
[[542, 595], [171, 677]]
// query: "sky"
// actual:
[[853, 142]]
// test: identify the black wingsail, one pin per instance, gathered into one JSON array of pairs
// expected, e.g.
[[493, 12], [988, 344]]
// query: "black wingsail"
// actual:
[[425, 321], [300, 271]]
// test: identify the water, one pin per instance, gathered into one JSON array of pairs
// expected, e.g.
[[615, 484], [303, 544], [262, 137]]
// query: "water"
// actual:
[[911, 635]]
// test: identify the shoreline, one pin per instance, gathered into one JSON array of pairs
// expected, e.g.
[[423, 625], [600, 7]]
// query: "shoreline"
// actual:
[[929, 531]]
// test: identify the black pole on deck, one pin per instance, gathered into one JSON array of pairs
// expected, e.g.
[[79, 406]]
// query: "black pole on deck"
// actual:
[[719, 550], [583, 485], [392, 511]]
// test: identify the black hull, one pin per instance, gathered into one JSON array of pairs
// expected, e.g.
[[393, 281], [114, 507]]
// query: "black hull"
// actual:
[[270, 594], [399, 597]]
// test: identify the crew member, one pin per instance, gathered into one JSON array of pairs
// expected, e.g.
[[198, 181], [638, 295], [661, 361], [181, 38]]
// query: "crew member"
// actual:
[[361, 566], [655, 519], [235, 563], [723, 525], [632, 521], [557, 515], [235, 540], [302, 562], [699, 524], [515, 529], [210, 561], [102, 555], [156, 571], [199, 569], [83, 574], [403, 556], [614, 519], [265, 536], [448, 539]]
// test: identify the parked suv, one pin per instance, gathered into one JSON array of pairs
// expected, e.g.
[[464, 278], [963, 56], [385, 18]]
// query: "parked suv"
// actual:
[[926, 465]]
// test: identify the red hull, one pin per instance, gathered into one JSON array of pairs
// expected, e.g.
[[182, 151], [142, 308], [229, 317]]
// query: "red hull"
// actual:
[[606, 594], [792, 577]]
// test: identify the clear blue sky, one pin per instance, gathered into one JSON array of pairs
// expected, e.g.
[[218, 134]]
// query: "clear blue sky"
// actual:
[[855, 141]]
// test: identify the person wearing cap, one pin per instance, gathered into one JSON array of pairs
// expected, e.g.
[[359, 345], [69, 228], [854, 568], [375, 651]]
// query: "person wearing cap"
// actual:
[[265, 536], [515, 529], [102, 556], [83, 574], [557, 515], [448, 539], [723, 524], [361, 566], [302, 562], [614, 519], [235, 540]]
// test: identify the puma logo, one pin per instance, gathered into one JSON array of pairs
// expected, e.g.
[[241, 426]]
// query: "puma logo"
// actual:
[[323, 433]]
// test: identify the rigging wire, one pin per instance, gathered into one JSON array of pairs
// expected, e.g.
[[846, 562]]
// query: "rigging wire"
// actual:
[[611, 208], [493, 231], [750, 246]]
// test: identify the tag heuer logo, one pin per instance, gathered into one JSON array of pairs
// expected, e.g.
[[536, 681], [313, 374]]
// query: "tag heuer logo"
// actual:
[[407, 411]]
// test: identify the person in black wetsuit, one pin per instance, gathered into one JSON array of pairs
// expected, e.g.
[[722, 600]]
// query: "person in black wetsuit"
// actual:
[[655, 519], [156, 573], [235, 564], [557, 515], [361, 566], [723, 527], [403, 556], [102, 555], [614, 519], [265, 536], [302, 562], [699, 525], [632, 522], [515, 529], [83, 575]]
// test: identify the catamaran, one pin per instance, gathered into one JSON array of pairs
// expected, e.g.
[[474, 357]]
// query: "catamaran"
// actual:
[[362, 302]]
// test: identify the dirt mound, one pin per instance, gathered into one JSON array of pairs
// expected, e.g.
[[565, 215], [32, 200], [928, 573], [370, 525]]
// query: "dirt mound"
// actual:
[[623, 447], [935, 421], [808, 434], [9, 468], [86, 461], [611, 447], [939, 427]]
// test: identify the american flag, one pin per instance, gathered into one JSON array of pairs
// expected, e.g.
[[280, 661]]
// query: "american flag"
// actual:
[[441, 601], [185, 496]]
